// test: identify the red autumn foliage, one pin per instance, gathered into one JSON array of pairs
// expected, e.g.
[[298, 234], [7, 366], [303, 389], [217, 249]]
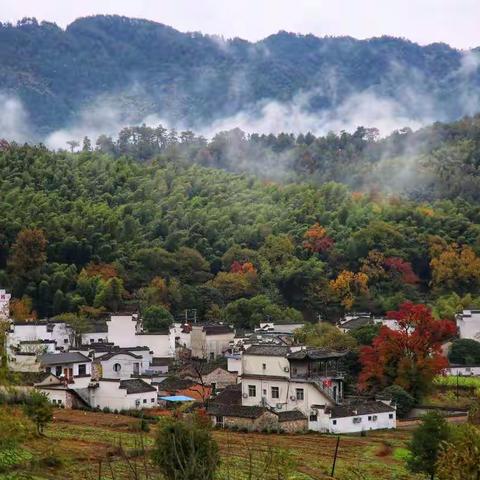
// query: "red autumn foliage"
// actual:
[[103, 270], [316, 239], [238, 267], [403, 267], [410, 356]]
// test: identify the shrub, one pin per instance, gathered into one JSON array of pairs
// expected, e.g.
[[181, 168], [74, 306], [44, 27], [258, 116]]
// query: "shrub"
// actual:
[[403, 400]]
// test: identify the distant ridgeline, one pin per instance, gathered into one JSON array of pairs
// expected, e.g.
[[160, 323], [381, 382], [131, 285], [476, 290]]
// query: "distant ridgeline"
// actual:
[[139, 68]]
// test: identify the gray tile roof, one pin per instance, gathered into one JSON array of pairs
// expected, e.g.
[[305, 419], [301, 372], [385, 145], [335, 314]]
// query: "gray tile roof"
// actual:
[[63, 358], [231, 395], [362, 408], [136, 385], [315, 354], [268, 350], [291, 416], [224, 410]]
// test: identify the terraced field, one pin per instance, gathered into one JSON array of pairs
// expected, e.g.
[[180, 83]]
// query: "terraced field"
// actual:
[[85, 445]]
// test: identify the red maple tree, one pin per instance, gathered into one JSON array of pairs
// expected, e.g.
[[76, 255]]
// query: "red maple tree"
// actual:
[[403, 268], [409, 356], [238, 267], [316, 239]]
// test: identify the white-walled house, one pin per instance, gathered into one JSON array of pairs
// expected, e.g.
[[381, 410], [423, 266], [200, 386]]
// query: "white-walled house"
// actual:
[[209, 342], [310, 381], [74, 367], [125, 330], [122, 364], [279, 328], [24, 357], [116, 394], [468, 324], [364, 416], [58, 332]]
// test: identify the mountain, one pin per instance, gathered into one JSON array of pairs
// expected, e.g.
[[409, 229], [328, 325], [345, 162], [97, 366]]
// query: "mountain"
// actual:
[[139, 68]]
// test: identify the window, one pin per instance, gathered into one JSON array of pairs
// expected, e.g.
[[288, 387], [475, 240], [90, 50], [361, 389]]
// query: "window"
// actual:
[[48, 369], [390, 415], [212, 355], [374, 418], [152, 400], [275, 392], [144, 400], [334, 422], [314, 417], [82, 369], [300, 394], [252, 391], [65, 340], [219, 421], [58, 371], [92, 340], [59, 401], [357, 420], [264, 392], [117, 367], [264, 366], [54, 401]]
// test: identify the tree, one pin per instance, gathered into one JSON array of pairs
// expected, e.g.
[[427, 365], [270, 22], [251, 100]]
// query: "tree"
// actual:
[[325, 335], [109, 294], [459, 457], [349, 287], [21, 309], [464, 352], [28, 252], [409, 356], [250, 312], [365, 334], [426, 443], [185, 449], [455, 268], [156, 318], [73, 144], [156, 293], [402, 399], [316, 239], [87, 145], [38, 408]]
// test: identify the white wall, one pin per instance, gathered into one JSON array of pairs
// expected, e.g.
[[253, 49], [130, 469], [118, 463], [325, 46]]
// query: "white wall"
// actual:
[[265, 365], [462, 370], [57, 397], [122, 329], [367, 422], [287, 395], [160, 345], [23, 363], [61, 333], [468, 324], [127, 364], [108, 394], [94, 337], [234, 363]]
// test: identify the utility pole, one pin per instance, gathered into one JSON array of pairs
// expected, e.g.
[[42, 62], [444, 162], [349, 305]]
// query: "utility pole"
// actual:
[[335, 457]]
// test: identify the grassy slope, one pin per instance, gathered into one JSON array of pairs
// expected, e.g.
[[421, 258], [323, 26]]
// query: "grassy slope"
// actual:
[[82, 439]]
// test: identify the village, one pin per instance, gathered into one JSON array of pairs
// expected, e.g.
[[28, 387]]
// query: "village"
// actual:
[[260, 380]]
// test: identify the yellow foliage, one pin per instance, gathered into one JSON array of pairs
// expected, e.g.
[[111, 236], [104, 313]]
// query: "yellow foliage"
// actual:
[[348, 286]]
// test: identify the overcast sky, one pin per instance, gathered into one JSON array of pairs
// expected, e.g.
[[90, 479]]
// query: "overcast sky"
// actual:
[[456, 22]]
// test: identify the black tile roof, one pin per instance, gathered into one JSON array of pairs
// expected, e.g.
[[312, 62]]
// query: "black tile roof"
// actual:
[[136, 385], [291, 416], [161, 361], [356, 323], [224, 410], [231, 395], [63, 358], [315, 354], [268, 350], [172, 384], [217, 329], [110, 355], [355, 409]]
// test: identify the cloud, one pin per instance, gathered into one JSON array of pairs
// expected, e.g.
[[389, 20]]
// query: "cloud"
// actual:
[[14, 121]]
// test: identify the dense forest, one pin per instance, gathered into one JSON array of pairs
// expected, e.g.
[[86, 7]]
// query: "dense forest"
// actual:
[[142, 67], [435, 162], [89, 232]]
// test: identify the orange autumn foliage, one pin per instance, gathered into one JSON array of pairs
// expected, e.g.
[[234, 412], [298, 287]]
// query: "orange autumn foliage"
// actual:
[[316, 239], [21, 309], [102, 270]]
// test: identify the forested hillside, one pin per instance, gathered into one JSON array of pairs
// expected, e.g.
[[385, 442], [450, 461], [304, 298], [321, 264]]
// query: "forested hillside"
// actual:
[[141, 67], [86, 233], [439, 161]]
